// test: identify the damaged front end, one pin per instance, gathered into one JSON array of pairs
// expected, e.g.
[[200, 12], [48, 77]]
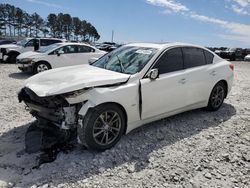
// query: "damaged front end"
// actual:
[[56, 120], [54, 109]]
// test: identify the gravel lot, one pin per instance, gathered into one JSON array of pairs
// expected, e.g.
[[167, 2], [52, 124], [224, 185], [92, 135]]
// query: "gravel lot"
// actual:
[[193, 149]]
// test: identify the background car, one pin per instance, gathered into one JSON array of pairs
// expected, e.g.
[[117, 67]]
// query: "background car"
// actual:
[[131, 86], [7, 41], [57, 55], [232, 54], [11, 51], [247, 58]]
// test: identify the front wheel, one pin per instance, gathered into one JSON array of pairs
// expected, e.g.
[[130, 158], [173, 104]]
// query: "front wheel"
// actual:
[[102, 127], [41, 67], [217, 97]]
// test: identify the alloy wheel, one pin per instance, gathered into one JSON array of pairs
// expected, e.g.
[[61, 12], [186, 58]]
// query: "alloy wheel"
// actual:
[[107, 128], [217, 96], [42, 67]]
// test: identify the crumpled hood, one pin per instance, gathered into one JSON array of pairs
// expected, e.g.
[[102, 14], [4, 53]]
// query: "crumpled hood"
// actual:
[[30, 54], [68, 79]]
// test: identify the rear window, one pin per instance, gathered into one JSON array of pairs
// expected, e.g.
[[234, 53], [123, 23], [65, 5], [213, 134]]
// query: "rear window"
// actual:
[[209, 57], [47, 42], [193, 57]]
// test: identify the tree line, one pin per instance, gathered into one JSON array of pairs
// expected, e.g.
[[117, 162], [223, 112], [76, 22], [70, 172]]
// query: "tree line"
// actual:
[[16, 22]]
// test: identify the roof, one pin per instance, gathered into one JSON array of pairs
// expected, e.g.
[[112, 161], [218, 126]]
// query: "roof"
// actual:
[[163, 45]]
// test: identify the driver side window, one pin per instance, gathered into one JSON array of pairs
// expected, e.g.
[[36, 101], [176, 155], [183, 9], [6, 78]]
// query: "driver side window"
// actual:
[[170, 61], [31, 43], [66, 50]]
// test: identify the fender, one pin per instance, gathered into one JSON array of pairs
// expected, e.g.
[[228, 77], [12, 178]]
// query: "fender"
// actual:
[[86, 107]]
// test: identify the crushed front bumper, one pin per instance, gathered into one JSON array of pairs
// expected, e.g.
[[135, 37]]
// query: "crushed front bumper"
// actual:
[[24, 66]]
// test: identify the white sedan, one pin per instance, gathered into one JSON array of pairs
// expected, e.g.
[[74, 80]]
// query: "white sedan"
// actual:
[[57, 55], [131, 86]]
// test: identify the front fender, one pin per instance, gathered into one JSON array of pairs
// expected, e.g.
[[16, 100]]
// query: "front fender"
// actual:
[[83, 111]]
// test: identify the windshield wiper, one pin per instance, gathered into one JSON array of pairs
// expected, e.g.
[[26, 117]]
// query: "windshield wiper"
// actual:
[[121, 65]]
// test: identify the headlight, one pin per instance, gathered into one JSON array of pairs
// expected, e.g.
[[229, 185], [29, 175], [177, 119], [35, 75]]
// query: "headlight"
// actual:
[[26, 60], [75, 93]]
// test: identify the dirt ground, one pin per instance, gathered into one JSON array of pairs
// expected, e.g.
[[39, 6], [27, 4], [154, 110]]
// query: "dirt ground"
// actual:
[[193, 149]]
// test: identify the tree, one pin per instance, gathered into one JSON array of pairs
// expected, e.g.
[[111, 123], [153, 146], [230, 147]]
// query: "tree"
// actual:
[[67, 25], [14, 19], [52, 24], [76, 27], [19, 17], [37, 22]]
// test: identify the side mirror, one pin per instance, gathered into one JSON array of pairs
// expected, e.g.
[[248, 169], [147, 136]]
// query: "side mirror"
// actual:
[[60, 53], [92, 60], [153, 74]]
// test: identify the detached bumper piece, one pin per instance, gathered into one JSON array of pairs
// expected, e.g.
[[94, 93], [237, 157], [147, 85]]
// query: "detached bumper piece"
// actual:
[[50, 140]]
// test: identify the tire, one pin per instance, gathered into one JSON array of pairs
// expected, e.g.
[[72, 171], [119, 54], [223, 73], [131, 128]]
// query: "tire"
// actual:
[[12, 58], [96, 135], [41, 67], [217, 97]]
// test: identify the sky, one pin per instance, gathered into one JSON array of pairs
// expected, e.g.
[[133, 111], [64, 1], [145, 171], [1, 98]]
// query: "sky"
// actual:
[[203, 22]]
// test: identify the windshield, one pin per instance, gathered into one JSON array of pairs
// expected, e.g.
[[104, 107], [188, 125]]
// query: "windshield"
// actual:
[[49, 48], [128, 59], [22, 42]]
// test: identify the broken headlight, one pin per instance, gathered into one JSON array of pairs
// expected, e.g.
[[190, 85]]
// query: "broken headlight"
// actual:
[[26, 60]]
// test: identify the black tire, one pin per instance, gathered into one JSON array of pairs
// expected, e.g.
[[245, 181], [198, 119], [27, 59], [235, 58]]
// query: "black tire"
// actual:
[[217, 97], [12, 58], [45, 65], [94, 122]]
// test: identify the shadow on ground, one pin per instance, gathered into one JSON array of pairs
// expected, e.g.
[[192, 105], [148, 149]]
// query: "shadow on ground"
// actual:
[[135, 147], [20, 75]]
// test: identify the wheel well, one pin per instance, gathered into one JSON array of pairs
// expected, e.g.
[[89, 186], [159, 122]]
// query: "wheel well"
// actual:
[[13, 52], [123, 110], [226, 86]]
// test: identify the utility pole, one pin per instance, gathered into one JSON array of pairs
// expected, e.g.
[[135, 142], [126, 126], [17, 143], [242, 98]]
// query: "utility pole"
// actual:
[[112, 39]]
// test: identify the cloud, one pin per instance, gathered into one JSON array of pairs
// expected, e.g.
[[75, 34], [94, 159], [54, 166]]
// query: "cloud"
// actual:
[[45, 3], [241, 7], [242, 3], [170, 5], [233, 30]]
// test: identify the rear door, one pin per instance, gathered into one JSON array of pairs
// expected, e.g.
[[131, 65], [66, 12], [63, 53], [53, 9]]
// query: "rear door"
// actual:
[[199, 74], [168, 92]]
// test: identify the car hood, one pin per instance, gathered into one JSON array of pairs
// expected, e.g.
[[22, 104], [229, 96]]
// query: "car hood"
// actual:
[[68, 79], [30, 54], [9, 46]]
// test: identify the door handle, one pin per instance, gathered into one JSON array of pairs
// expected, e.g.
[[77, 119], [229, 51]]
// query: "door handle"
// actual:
[[183, 81], [213, 73]]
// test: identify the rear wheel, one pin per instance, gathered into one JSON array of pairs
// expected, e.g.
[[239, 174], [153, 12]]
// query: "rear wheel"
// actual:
[[102, 127], [217, 97], [41, 67]]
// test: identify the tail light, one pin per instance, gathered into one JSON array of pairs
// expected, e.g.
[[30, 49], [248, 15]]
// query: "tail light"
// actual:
[[231, 67]]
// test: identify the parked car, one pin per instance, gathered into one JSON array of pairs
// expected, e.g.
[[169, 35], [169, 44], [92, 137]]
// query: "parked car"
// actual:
[[247, 58], [7, 41], [232, 54], [131, 86], [57, 55], [245, 52], [11, 51]]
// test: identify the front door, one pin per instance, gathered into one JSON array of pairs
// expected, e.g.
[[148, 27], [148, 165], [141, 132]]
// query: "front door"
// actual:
[[168, 92]]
